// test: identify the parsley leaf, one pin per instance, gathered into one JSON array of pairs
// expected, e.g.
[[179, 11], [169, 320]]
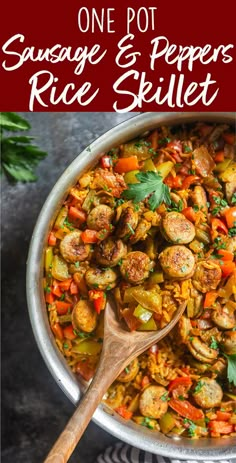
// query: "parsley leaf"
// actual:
[[231, 371], [19, 156], [152, 186]]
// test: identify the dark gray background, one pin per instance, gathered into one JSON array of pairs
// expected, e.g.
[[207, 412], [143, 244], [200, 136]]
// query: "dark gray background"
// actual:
[[34, 409]]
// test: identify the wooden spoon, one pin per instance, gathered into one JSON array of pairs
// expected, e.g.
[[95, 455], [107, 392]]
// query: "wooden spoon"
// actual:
[[120, 347]]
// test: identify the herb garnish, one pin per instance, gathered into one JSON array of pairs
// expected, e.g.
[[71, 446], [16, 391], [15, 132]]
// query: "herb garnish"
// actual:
[[151, 185], [231, 370], [18, 156], [198, 387], [214, 343]]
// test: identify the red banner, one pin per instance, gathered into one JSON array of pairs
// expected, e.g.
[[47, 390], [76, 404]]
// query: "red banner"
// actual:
[[118, 56]]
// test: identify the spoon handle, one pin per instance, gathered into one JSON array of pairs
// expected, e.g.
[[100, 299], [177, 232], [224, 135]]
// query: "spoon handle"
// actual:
[[70, 436]]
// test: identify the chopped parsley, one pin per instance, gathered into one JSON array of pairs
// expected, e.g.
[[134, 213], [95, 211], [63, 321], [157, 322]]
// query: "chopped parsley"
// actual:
[[232, 231], [127, 370], [165, 397], [147, 422], [151, 186], [68, 224], [198, 387], [233, 200], [214, 343], [176, 207], [187, 149], [130, 228], [77, 264], [191, 427], [218, 243], [221, 204], [47, 290]]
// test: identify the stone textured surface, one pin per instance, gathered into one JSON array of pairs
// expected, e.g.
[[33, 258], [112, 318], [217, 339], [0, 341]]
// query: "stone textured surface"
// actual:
[[34, 409]]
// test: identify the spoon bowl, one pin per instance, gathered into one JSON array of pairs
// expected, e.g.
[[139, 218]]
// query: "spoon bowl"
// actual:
[[120, 347]]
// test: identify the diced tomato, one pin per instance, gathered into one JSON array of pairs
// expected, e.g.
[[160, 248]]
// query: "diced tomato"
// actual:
[[124, 165], [223, 416], [190, 180], [225, 255], [85, 369], [56, 288], [99, 299], [74, 288], [186, 409], [173, 182], [77, 215], [217, 226], [220, 427], [182, 380], [106, 161], [219, 157], [62, 307], [58, 331], [230, 217], [189, 213], [68, 332], [227, 267], [49, 297], [229, 137], [89, 236], [65, 285], [210, 299], [122, 411], [52, 239], [145, 381]]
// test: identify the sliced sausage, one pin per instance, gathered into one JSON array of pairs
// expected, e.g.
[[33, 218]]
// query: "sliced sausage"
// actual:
[[223, 318], [177, 229], [229, 342], [210, 393], [177, 262], [153, 401], [207, 275], [135, 267], [101, 278], [100, 217], [127, 223], [140, 231], [109, 252], [84, 316], [73, 249], [129, 372], [201, 351]]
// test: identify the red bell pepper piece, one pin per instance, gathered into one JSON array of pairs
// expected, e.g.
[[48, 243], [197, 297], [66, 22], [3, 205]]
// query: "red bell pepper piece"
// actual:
[[186, 409], [180, 381], [219, 156], [230, 217], [190, 180], [220, 427], [62, 307], [57, 331], [68, 332], [122, 410], [124, 165], [223, 416], [227, 268], [189, 213], [89, 236], [85, 370], [52, 239], [65, 285], [77, 215], [106, 161], [173, 182], [99, 299], [74, 288]]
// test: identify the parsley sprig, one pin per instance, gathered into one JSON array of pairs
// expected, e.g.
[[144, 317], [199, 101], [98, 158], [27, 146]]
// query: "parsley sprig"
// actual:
[[18, 156], [231, 370], [151, 186]]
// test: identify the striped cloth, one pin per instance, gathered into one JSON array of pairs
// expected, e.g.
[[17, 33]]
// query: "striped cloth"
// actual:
[[123, 453]]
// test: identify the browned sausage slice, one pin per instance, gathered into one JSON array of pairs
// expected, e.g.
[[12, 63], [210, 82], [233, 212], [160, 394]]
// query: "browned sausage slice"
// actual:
[[210, 393], [207, 275], [177, 262], [177, 229], [109, 252], [73, 248], [84, 316], [135, 267], [153, 401], [100, 217]]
